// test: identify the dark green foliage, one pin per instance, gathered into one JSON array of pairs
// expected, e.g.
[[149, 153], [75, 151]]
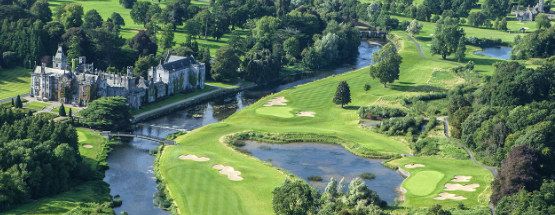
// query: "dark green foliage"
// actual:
[[380, 111], [62, 110], [314, 178], [401, 125], [437, 210], [338, 46], [542, 21], [161, 199], [484, 42], [92, 19], [367, 176], [477, 19], [367, 87], [541, 201], [496, 8], [461, 49], [446, 37], [143, 12], [117, 19], [388, 61], [117, 201], [143, 64], [225, 65], [41, 10], [71, 15], [18, 102], [38, 158], [514, 84], [520, 170], [261, 67], [540, 43], [143, 44], [295, 197], [107, 113], [127, 3], [426, 146], [342, 94]]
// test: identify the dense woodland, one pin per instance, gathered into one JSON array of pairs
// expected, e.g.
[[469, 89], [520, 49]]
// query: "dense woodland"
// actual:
[[38, 157]]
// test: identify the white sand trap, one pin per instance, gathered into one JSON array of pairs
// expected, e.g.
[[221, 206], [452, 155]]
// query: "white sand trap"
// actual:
[[278, 101], [447, 196], [461, 178], [306, 113], [229, 171], [87, 146], [414, 166], [193, 158], [467, 188]]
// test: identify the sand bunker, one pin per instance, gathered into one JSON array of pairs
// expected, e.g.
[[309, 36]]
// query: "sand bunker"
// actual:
[[446, 196], [278, 101], [414, 166], [87, 146], [467, 188], [230, 172], [461, 178], [194, 158], [306, 113]]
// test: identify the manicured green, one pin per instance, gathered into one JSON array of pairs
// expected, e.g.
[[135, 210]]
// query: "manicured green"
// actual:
[[14, 82], [97, 154], [283, 112], [423, 183], [418, 186]]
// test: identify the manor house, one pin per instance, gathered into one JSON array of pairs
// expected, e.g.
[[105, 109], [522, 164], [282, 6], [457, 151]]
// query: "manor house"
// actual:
[[83, 83]]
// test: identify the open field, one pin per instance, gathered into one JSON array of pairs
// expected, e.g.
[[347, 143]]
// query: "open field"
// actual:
[[106, 7], [14, 82], [196, 187], [36, 105], [427, 182], [82, 195]]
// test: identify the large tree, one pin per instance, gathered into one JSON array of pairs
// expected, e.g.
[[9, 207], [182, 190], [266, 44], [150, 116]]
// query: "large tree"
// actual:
[[41, 10], [496, 8], [520, 170], [295, 197], [446, 37], [261, 67], [225, 65], [143, 44], [92, 19], [342, 94], [107, 113], [71, 15], [388, 61]]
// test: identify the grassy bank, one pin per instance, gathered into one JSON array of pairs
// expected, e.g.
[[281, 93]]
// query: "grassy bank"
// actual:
[[94, 149], [14, 82]]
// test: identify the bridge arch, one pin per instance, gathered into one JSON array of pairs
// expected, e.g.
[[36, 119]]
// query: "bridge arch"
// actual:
[[164, 141]]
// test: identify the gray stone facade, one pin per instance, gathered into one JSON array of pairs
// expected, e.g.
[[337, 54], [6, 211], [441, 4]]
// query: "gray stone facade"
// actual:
[[83, 83]]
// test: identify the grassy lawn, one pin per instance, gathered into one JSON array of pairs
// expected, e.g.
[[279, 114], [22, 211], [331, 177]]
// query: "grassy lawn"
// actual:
[[14, 82], [427, 182], [96, 191], [36, 105], [199, 189], [74, 110], [172, 99]]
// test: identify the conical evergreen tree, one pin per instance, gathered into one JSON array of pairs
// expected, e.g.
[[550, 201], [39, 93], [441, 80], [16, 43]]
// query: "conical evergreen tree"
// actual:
[[18, 102], [62, 110], [343, 94]]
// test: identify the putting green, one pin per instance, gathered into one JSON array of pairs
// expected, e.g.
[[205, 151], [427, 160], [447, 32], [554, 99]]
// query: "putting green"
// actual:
[[283, 112], [423, 183]]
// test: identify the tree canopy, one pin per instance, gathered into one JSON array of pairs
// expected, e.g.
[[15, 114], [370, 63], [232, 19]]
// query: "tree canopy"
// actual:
[[107, 113]]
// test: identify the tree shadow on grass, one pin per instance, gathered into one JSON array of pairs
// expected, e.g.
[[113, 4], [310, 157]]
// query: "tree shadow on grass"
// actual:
[[423, 38], [417, 88], [351, 107]]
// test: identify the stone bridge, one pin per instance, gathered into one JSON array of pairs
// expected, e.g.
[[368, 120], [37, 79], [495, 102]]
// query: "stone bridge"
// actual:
[[164, 141]]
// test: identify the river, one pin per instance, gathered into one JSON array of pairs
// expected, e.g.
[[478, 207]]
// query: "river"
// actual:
[[131, 165]]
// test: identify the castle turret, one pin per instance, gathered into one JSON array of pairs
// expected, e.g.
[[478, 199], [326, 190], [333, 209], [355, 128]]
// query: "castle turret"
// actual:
[[60, 60]]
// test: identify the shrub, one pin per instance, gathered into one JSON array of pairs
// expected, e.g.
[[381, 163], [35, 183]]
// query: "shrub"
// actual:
[[401, 126], [424, 97], [426, 146], [315, 178], [379, 111], [484, 42], [367, 176]]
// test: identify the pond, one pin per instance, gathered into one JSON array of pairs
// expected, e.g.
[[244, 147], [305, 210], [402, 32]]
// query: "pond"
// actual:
[[501, 52], [131, 166], [327, 161]]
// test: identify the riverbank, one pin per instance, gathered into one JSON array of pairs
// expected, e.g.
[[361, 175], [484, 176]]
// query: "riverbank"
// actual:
[[168, 105]]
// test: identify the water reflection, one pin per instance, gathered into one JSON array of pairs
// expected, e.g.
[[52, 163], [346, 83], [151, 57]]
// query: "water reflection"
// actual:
[[327, 161], [502, 52]]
